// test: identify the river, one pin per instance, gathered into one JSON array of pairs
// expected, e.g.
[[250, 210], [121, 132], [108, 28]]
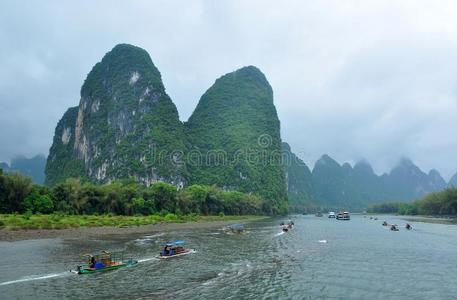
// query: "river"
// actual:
[[320, 258]]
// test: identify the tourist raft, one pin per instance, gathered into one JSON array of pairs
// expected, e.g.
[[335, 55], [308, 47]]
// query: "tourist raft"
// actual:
[[174, 249], [104, 261]]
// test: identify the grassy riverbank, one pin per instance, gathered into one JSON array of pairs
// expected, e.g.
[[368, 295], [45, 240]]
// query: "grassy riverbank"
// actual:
[[58, 221]]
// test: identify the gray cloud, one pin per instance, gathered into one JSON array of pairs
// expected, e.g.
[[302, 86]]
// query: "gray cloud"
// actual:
[[354, 79]]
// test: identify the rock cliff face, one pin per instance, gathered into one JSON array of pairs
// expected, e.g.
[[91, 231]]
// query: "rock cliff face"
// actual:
[[125, 125]]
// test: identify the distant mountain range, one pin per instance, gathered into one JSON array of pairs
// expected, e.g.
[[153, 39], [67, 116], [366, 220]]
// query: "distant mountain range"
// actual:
[[335, 186], [31, 167], [126, 126]]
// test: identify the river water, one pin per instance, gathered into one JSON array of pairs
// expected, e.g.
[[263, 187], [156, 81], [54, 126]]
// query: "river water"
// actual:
[[320, 258]]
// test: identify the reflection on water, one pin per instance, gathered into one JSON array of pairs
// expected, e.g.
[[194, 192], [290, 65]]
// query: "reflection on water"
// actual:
[[319, 258]]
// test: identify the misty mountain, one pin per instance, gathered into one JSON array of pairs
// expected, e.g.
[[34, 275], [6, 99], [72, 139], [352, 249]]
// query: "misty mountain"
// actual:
[[453, 181], [31, 167], [342, 186]]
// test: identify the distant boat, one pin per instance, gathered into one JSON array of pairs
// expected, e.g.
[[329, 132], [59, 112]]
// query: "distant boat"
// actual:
[[331, 215], [343, 216], [173, 249], [236, 228], [286, 226], [394, 227], [319, 214]]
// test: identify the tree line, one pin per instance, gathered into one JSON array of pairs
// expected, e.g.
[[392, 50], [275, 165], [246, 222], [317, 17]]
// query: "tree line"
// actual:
[[439, 203], [125, 197]]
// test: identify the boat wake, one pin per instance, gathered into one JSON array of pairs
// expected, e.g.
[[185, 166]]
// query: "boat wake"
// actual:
[[35, 277], [148, 238], [323, 241], [279, 233], [148, 259], [233, 271]]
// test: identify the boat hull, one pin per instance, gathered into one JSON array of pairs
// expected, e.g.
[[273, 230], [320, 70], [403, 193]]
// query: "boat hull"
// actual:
[[176, 255], [123, 265]]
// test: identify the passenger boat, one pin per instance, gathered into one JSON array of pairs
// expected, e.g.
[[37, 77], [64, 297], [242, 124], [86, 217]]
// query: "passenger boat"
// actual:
[[331, 215], [174, 249], [343, 216], [408, 226], [394, 227], [236, 228], [104, 261], [286, 226]]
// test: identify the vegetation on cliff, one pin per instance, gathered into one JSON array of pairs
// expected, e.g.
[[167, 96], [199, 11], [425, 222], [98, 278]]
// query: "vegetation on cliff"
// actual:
[[125, 125], [234, 138]]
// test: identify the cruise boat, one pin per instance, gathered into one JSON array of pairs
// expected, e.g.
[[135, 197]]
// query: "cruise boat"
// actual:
[[331, 215], [343, 216]]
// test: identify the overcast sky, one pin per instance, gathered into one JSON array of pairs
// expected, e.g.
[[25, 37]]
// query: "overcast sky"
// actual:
[[374, 80]]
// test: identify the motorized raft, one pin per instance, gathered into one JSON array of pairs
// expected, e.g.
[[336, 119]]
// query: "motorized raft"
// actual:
[[286, 226], [236, 228], [174, 249], [104, 261]]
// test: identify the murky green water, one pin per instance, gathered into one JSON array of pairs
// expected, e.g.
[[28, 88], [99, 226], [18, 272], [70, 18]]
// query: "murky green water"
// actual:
[[319, 259]]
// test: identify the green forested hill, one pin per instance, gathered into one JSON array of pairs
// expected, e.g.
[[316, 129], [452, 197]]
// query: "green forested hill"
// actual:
[[300, 188], [235, 131]]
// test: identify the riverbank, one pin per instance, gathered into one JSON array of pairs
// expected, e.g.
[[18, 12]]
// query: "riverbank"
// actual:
[[431, 219], [96, 226], [419, 218]]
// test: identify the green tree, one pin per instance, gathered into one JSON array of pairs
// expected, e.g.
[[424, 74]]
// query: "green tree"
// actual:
[[17, 187], [164, 196], [38, 203]]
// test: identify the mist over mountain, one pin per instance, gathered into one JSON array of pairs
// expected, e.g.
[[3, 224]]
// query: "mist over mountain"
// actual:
[[453, 181], [338, 186], [32, 167]]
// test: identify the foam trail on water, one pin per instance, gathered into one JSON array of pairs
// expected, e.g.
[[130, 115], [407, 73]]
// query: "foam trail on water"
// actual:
[[323, 241], [35, 277], [148, 259], [280, 233]]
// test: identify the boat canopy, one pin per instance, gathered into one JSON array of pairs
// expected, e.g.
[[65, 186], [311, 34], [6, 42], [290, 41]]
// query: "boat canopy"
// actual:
[[175, 243], [101, 253], [236, 226]]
